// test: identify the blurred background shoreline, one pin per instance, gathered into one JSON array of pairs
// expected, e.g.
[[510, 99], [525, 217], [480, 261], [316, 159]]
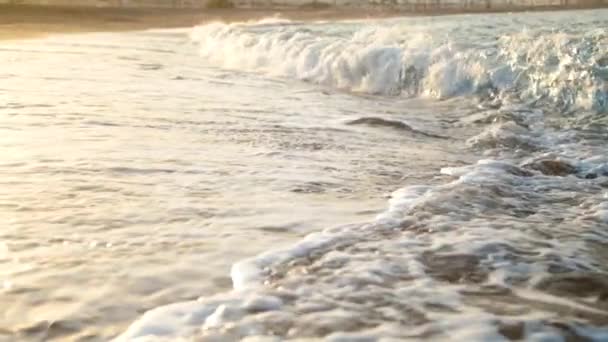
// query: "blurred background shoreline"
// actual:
[[35, 18]]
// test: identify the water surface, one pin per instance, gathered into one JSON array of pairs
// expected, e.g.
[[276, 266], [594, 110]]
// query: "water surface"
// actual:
[[137, 168]]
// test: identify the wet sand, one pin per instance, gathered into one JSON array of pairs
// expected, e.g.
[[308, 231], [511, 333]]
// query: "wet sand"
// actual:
[[18, 22]]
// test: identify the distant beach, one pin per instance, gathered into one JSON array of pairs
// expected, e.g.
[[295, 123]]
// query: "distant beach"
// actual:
[[17, 22], [25, 21]]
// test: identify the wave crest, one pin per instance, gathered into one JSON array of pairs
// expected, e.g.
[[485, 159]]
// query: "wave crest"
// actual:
[[561, 70]]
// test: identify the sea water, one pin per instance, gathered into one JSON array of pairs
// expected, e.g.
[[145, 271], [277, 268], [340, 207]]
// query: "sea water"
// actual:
[[429, 178]]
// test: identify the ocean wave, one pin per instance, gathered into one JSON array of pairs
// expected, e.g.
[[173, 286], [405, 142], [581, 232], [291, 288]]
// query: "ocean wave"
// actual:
[[508, 248], [558, 69], [484, 256]]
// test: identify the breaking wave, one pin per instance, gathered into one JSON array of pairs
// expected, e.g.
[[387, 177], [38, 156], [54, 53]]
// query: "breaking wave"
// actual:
[[502, 251], [567, 70]]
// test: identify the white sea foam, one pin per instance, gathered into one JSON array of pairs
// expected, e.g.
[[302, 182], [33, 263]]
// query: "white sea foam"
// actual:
[[441, 246]]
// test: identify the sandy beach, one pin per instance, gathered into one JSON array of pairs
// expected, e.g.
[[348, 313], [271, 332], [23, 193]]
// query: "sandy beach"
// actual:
[[18, 22]]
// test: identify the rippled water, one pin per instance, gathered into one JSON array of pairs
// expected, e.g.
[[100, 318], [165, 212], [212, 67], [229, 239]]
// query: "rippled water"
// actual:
[[137, 168]]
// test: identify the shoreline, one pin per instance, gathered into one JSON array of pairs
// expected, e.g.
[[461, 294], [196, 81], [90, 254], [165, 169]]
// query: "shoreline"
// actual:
[[25, 21]]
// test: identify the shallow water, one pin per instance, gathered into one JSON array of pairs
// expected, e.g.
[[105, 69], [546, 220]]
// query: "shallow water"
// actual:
[[137, 168]]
